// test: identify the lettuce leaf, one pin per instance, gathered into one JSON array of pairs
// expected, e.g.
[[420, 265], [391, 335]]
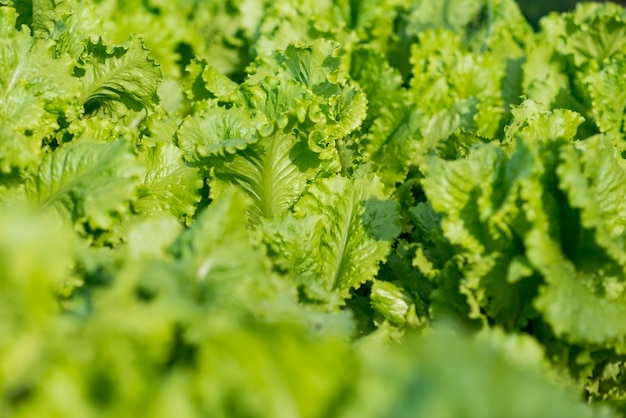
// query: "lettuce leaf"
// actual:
[[119, 76], [337, 235], [169, 186], [391, 130], [87, 182], [36, 91], [608, 100]]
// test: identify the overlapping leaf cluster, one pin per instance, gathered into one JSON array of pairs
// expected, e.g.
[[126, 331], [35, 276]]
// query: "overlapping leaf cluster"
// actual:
[[254, 208]]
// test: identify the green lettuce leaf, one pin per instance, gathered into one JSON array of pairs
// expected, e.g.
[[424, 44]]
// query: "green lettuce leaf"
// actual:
[[457, 88], [393, 303], [285, 228], [608, 96], [337, 235], [215, 132], [534, 122], [286, 23], [391, 131], [545, 79], [307, 85], [566, 67], [206, 82], [169, 186], [118, 78], [36, 91], [591, 35], [223, 32], [87, 182], [49, 17]]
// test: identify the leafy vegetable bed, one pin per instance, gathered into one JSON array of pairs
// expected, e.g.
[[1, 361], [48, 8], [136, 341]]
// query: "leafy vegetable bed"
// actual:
[[276, 208]]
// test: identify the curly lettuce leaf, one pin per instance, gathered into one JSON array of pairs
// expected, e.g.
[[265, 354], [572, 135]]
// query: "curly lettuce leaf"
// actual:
[[214, 132], [169, 186], [591, 34], [118, 78], [466, 65], [306, 85], [533, 121], [275, 173], [391, 131], [223, 32], [607, 89], [49, 17], [545, 79], [393, 143], [573, 59], [87, 182], [382, 84], [286, 23], [337, 235], [36, 90], [506, 33], [206, 82], [478, 203], [458, 88]]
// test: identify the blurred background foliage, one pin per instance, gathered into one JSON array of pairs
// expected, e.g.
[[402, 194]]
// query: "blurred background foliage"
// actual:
[[535, 9]]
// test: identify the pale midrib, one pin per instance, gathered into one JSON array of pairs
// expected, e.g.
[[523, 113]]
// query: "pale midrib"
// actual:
[[267, 173], [268, 204], [14, 77], [342, 247], [18, 68]]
